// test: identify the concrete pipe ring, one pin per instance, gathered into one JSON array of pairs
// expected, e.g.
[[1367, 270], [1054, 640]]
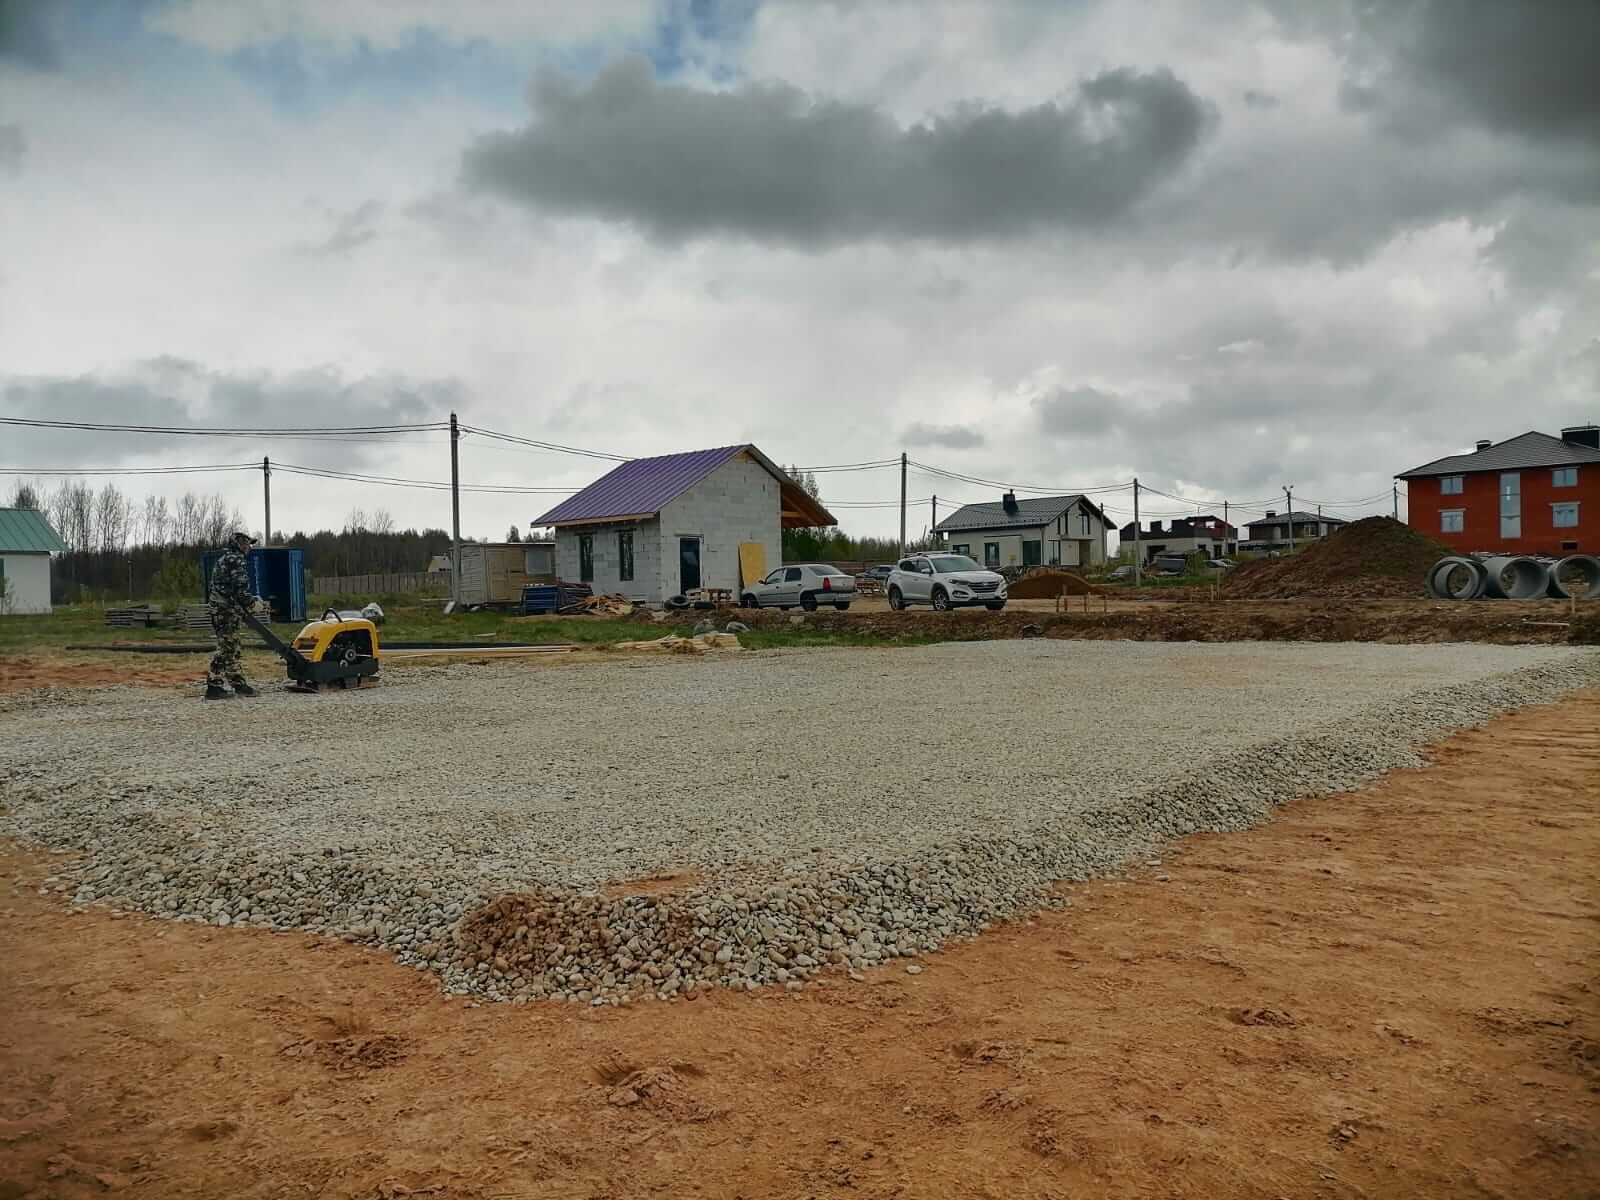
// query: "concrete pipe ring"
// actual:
[[1515, 577], [1457, 578], [1577, 575]]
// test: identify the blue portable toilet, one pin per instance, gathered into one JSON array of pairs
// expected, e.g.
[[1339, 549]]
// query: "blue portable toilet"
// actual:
[[277, 575]]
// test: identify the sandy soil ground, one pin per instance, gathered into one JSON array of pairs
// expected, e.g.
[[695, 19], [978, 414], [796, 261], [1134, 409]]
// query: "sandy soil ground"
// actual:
[[1391, 993]]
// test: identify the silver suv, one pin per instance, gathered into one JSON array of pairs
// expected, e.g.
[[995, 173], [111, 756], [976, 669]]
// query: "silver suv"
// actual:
[[945, 581]]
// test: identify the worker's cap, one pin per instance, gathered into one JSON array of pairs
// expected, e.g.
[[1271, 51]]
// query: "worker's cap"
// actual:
[[239, 533]]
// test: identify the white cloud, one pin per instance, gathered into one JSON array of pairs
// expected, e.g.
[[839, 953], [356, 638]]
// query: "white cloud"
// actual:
[[346, 25]]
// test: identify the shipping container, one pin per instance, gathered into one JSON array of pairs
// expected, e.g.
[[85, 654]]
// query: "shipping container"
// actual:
[[277, 575]]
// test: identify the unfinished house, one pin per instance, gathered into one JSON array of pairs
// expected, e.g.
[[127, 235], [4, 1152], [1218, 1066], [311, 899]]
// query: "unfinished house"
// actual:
[[660, 527]]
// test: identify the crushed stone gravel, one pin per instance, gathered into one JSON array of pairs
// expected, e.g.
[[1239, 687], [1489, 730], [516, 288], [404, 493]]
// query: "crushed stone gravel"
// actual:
[[831, 808]]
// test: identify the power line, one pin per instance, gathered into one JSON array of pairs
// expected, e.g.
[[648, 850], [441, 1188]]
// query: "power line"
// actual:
[[429, 484], [318, 431], [543, 445], [1019, 487], [130, 470]]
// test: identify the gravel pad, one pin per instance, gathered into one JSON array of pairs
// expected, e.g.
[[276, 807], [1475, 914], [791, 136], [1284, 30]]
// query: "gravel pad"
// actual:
[[830, 806]]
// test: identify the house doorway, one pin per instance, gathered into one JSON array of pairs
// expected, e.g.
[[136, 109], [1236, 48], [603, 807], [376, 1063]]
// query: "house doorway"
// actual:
[[688, 564]]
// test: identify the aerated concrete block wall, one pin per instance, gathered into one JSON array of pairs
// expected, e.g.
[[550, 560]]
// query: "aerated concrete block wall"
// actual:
[[646, 581], [738, 502]]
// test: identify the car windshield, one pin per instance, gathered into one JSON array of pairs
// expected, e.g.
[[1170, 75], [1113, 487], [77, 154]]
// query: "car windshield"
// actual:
[[949, 564], [825, 569]]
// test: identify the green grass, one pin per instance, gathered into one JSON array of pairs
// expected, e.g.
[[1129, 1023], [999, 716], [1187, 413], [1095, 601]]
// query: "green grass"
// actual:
[[406, 619]]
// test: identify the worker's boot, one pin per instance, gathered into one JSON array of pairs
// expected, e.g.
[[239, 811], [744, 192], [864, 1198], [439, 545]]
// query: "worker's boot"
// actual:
[[215, 691], [244, 689]]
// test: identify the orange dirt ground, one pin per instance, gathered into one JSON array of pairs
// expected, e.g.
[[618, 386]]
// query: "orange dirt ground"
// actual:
[[1385, 994]]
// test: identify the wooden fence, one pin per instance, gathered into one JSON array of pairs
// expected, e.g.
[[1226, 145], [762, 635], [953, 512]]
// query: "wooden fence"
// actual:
[[383, 584]]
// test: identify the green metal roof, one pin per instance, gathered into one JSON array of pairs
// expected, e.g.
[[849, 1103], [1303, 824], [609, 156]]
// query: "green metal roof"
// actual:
[[24, 531]]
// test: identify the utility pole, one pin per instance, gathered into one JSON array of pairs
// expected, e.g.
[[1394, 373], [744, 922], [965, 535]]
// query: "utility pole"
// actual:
[[1226, 525], [1288, 496], [1136, 555], [1395, 490], [902, 504], [455, 510], [266, 495], [933, 530]]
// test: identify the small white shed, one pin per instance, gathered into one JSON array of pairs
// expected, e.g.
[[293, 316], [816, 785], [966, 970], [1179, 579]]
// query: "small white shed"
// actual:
[[26, 544]]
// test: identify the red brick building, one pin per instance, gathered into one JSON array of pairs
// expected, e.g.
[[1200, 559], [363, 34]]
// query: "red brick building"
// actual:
[[1533, 494]]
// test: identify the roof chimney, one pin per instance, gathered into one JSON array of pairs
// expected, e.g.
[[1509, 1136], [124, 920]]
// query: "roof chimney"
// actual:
[[1270, 513], [1582, 435], [1483, 444], [1155, 526], [1009, 503]]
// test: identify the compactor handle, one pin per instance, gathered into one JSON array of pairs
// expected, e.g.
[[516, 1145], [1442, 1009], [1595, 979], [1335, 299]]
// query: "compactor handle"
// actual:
[[328, 612]]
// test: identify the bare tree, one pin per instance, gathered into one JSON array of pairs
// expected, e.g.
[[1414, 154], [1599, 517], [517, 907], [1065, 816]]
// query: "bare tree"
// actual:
[[356, 522], [186, 520], [154, 521], [382, 521], [111, 519], [26, 495]]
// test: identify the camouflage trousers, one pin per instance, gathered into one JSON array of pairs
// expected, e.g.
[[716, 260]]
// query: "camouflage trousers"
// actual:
[[227, 666]]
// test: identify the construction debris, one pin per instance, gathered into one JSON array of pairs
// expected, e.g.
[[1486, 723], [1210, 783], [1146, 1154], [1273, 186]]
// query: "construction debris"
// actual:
[[673, 644], [612, 605]]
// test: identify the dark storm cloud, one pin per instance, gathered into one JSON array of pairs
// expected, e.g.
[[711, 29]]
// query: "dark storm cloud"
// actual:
[[771, 163], [1527, 69], [27, 34], [1077, 411], [13, 145], [177, 392], [952, 437]]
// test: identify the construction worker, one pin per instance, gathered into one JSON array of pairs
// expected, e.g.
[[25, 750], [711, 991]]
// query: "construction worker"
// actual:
[[229, 593]]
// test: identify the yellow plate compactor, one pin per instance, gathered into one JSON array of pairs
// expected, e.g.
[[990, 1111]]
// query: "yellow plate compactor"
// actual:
[[332, 649]]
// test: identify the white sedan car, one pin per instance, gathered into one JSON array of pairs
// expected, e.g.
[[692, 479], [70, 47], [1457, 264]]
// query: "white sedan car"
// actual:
[[805, 584], [945, 581]]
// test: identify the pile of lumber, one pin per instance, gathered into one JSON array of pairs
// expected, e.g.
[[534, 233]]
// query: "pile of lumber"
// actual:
[[134, 616], [602, 606]]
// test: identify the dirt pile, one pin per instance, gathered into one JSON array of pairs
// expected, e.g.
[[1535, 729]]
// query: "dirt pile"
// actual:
[[1047, 584], [1376, 557]]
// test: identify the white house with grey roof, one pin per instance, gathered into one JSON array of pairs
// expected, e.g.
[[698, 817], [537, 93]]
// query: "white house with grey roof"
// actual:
[[1064, 531]]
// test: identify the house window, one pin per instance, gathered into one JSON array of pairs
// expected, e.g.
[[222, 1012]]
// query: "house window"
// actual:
[[1511, 504], [991, 554], [1083, 524], [1452, 520], [586, 557], [625, 555], [1564, 516], [1564, 477], [1030, 554], [963, 548], [1450, 485]]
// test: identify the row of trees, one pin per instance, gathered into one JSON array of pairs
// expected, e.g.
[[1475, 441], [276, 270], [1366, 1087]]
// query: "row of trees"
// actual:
[[829, 544], [125, 547]]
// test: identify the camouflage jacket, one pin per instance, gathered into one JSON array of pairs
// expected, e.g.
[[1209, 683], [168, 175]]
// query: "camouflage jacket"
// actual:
[[230, 581]]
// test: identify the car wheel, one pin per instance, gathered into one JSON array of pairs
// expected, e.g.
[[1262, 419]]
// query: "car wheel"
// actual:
[[995, 605], [896, 600], [808, 602], [941, 600], [748, 601], [842, 607]]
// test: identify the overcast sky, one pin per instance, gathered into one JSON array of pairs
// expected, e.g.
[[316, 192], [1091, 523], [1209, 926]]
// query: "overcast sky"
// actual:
[[1223, 246]]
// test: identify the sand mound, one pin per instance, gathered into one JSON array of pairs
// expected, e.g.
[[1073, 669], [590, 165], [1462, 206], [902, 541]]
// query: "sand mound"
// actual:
[[1048, 583], [1375, 557]]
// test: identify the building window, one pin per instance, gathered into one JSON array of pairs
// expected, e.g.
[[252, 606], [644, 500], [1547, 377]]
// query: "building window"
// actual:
[[1083, 524], [586, 557], [625, 555], [1450, 485], [1564, 477], [991, 554], [1030, 554], [1452, 520], [1564, 516], [962, 548], [1511, 504]]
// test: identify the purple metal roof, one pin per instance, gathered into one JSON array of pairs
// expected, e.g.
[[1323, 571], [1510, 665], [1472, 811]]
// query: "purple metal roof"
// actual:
[[645, 485]]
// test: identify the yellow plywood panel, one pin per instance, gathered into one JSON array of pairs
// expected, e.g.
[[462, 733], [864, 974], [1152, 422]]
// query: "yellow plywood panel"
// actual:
[[752, 562]]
